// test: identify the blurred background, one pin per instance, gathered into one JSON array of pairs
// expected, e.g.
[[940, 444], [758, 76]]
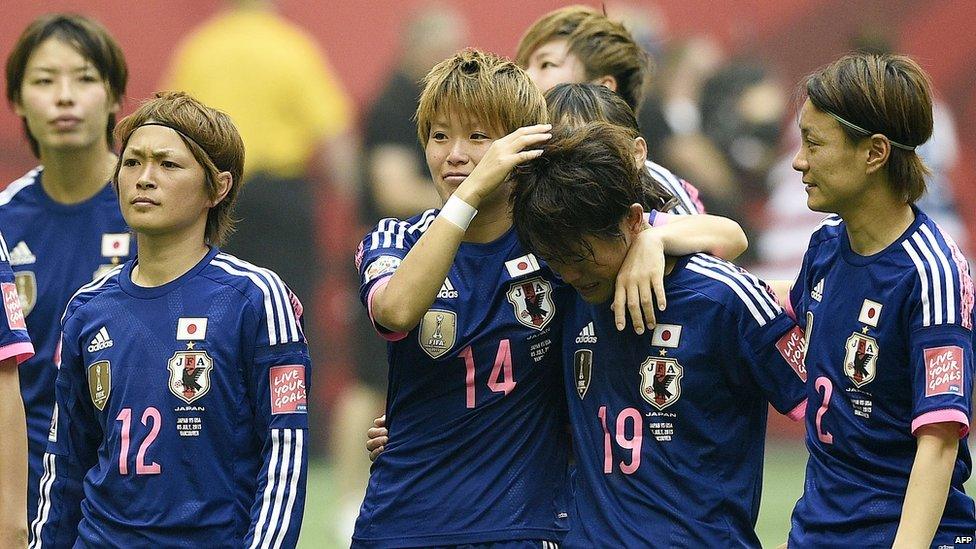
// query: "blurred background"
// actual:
[[323, 92]]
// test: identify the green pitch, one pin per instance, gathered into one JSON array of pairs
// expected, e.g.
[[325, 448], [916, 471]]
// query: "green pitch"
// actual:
[[782, 484]]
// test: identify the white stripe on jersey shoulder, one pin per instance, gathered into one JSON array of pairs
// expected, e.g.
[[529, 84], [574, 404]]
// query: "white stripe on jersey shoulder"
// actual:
[[283, 326], [749, 289], [939, 283], [670, 181], [390, 232], [92, 287], [284, 470], [4, 251], [831, 220], [18, 184]]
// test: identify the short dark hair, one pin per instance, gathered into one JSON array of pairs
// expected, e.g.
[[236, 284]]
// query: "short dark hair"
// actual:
[[579, 104], [881, 93], [211, 137], [583, 184], [605, 47], [85, 35]]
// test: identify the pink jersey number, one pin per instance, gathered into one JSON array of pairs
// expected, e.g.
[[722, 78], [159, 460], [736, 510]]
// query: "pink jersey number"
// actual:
[[502, 377], [633, 443], [125, 416]]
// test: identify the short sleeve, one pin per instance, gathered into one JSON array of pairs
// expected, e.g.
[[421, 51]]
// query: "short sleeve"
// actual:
[[380, 254], [14, 340], [940, 341], [774, 353]]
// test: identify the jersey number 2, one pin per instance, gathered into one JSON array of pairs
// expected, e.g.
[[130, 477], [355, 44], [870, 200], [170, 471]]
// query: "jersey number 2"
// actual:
[[501, 379], [821, 384], [125, 416]]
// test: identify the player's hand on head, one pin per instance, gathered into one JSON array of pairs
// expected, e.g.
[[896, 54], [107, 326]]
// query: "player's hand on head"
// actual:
[[640, 282], [376, 438], [499, 160]]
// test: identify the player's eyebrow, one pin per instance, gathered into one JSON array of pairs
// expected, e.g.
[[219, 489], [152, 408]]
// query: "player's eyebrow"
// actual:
[[145, 152]]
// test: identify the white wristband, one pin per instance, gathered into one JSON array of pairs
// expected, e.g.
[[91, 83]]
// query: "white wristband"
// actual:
[[458, 212]]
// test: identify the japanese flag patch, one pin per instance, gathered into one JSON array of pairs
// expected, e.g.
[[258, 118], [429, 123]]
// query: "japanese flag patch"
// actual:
[[191, 329], [870, 313], [288, 395], [943, 371], [522, 265]]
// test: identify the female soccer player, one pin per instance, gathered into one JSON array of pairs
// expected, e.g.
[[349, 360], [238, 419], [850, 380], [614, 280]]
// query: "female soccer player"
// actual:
[[65, 78], [182, 387], [477, 380], [668, 430], [886, 301]]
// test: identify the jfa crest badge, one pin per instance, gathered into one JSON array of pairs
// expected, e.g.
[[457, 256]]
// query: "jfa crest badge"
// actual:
[[861, 359], [582, 370], [661, 381], [438, 331], [27, 290], [532, 300], [100, 382], [189, 374]]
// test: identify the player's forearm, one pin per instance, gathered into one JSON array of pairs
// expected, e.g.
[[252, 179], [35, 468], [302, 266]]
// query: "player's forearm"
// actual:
[[688, 234], [412, 288], [781, 289], [928, 485], [13, 459]]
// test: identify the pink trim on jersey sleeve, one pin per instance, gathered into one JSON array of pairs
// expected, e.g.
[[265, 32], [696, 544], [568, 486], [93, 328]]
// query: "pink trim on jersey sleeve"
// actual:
[[789, 305], [942, 416], [798, 413], [22, 350], [660, 219], [391, 336], [693, 194]]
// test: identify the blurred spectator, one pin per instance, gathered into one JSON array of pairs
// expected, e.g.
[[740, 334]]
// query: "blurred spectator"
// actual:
[[671, 108], [741, 109], [398, 182], [398, 185], [270, 76]]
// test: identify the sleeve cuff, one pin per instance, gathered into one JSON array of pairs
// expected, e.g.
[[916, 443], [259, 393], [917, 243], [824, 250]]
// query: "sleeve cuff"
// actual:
[[798, 413], [942, 416], [21, 350], [385, 334]]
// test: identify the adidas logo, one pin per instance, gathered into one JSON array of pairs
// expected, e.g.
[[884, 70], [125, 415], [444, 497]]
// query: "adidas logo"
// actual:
[[588, 335], [447, 290], [817, 292], [101, 341], [21, 255]]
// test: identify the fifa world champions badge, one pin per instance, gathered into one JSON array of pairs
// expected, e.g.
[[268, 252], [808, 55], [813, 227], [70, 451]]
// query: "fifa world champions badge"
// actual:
[[437, 333]]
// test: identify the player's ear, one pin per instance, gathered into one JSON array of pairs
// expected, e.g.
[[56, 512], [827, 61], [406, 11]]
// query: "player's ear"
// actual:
[[634, 222], [878, 152], [640, 152], [224, 182], [605, 80]]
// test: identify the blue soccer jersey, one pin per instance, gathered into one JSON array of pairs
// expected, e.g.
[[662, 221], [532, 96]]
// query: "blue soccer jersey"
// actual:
[[181, 413], [669, 427], [688, 201], [889, 349], [55, 249], [477, 449]]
